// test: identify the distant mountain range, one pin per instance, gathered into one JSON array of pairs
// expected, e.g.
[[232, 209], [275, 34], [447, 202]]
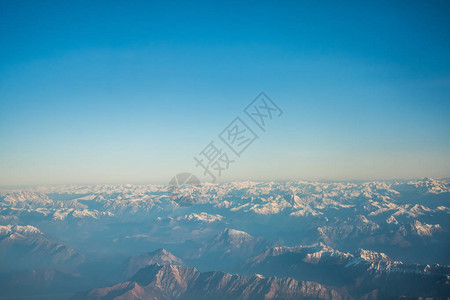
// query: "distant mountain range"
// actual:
[[363, 275], [360, 274], [169, 282], [28, 247], [360, 240]]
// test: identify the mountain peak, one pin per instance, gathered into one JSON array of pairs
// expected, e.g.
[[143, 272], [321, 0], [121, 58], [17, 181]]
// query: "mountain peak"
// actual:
[[233, 237], [236, 233], [28, 229], [176, 282], [159, 257], [371, 256], [160, 251]]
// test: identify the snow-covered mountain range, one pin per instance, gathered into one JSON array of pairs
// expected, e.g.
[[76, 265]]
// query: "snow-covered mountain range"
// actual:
[[349, 236]]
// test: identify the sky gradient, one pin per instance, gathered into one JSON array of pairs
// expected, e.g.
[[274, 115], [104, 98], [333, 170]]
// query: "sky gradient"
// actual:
[[130, 92]]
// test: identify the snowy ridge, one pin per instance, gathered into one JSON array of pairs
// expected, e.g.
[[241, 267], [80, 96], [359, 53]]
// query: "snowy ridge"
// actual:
[[370, 261], [28, 229], [201, 217]]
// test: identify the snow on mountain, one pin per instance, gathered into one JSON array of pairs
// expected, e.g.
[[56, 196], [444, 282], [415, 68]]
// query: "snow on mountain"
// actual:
[[376, 261], [298, 198], [358, 273], [423, 229], [231, 247], [235, 222], [201, 217], [31, 247], [341, 214], [14, 230], [311, 254], [233, 237], [62, 214], [424, 186], [327, 257]]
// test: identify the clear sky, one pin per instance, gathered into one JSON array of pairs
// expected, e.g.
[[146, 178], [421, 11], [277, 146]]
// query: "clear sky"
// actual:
[[131, 91]]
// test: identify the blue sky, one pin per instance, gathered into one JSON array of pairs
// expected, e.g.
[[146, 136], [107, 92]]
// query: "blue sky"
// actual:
[[95, 92]]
